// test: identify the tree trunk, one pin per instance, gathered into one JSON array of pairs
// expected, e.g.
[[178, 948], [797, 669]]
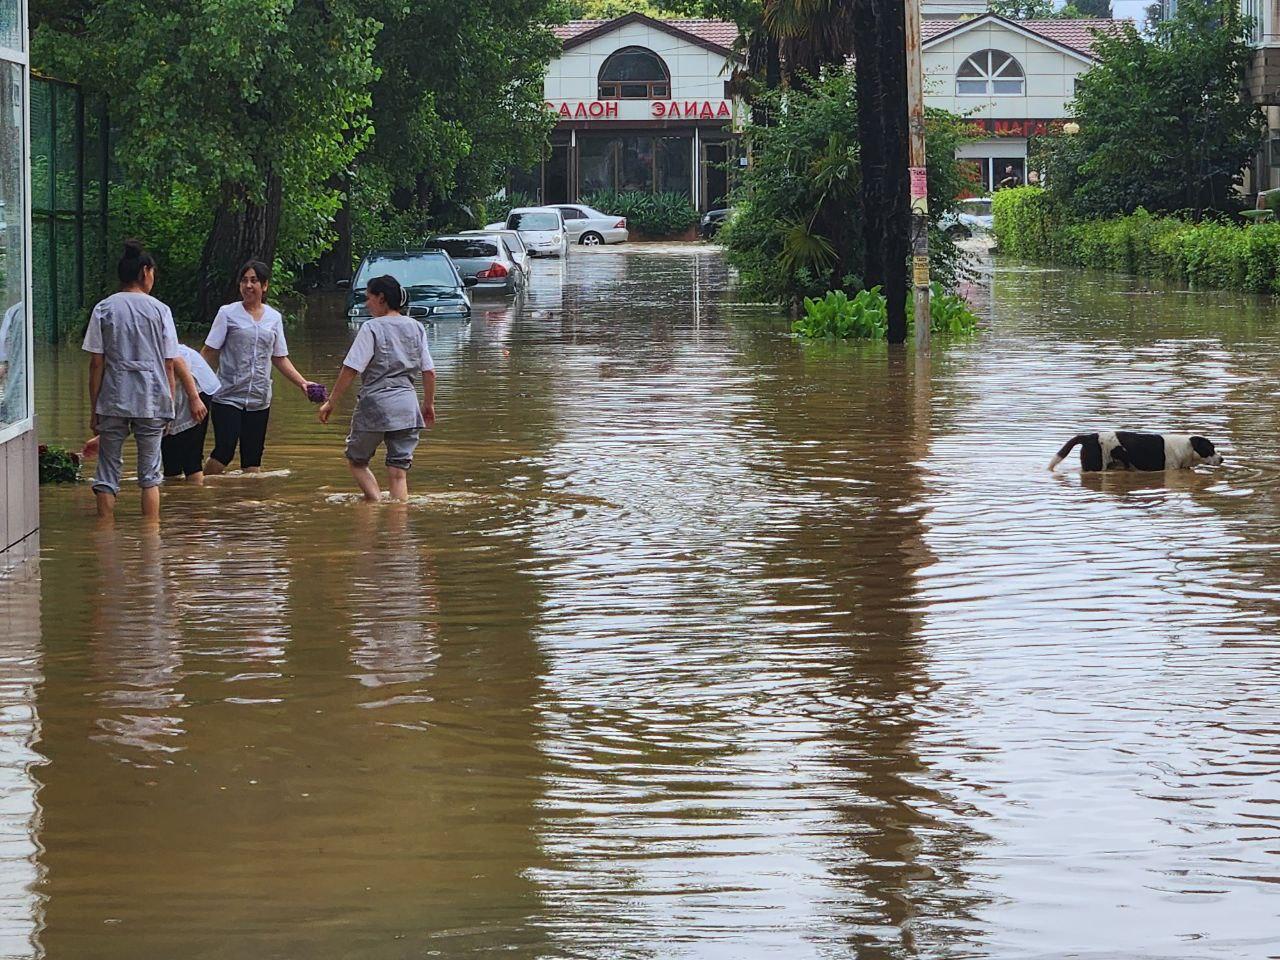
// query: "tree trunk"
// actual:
[[243, 229], [881, 71]]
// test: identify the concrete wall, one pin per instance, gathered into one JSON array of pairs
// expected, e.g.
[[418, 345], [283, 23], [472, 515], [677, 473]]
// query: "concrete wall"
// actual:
[[1050, 75], [696, 73], [19, 499]]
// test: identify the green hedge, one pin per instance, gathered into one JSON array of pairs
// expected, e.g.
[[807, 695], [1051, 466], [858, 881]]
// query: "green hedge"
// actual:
[[1030, 226], [655, 214]]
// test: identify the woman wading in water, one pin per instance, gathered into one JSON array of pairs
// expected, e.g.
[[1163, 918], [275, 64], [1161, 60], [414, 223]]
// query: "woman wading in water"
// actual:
[[132, 343], [245, 341], [388, 354]]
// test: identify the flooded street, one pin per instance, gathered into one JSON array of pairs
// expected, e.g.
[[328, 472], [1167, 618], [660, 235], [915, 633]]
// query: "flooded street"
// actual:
[[694, 642]]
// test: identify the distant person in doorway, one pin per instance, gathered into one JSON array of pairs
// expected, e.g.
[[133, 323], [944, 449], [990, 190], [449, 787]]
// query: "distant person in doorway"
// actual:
[[132, 345], [390, 355], [1033, 178], [1010, 178], [244, 343]]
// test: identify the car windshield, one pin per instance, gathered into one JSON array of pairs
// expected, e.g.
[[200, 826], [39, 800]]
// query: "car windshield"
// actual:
[[980, 207], [536, 220], [466, 249], [412, 270]]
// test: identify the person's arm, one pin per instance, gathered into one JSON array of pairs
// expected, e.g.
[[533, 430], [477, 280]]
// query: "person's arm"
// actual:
[[192, 389], [97, 363], [345, 376], [173, 379], [212, 348], [429, 396], [285, 366]]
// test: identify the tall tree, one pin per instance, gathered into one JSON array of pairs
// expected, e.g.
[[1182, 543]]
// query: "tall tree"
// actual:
[[1162, 123], [243, 101], [880, 45]]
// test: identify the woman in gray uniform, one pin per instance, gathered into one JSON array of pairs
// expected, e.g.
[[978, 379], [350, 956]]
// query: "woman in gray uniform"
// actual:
[[244, 343], [132, 344], [388, 353]]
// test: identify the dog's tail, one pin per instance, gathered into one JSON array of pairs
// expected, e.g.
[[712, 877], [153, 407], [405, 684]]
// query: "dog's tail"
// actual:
[[1070, 445]]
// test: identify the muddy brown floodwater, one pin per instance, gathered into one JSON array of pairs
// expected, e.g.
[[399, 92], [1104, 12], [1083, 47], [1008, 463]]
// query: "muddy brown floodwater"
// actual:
[[695, 642]]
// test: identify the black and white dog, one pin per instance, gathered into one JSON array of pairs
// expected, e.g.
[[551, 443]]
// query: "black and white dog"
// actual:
[[1121, 450]]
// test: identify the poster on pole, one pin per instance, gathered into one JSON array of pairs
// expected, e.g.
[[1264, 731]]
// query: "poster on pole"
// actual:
[[920, 271], [919, 190]]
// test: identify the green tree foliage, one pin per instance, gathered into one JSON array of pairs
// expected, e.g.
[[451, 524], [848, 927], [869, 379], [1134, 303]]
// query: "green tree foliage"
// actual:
[[1022, 9], [251, 107], [608, 9], [1100, 9], [1162, 123], [797, 226]]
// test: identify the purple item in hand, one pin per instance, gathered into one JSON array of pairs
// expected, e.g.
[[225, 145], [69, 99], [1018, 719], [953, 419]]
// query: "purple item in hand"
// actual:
[[317, 393]]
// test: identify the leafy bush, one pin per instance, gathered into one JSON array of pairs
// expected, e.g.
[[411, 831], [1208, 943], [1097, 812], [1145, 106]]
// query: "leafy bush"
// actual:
[[835, 315], [58, 465], [866, 316], [655, 214], [1211, 254], [796, 228], [949, 313]]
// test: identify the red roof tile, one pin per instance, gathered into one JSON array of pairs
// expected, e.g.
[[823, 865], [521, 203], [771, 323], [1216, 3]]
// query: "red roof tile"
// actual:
[[720, 32], [1076, 34]]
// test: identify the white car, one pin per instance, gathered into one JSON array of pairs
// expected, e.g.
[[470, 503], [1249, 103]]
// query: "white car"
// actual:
[[541, 228], [970, 218], [519, 252], [590, 227]]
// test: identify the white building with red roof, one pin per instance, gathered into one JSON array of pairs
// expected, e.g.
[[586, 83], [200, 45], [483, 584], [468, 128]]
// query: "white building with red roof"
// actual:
[[643, 104]]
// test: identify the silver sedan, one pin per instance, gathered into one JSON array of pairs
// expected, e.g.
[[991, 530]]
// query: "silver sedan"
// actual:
[[590, 227]]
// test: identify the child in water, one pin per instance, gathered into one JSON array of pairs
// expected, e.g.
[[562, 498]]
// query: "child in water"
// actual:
[[388, 353]]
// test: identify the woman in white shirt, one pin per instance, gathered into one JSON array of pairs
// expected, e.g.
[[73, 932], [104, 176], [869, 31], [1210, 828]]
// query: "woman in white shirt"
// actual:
[[244, 343]]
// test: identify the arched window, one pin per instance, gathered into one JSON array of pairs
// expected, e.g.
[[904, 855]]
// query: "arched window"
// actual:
[[634, 73], [990, 72]]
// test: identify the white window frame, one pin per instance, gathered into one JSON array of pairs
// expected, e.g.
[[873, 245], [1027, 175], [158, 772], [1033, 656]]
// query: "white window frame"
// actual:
[[19, 57], [989, 77]]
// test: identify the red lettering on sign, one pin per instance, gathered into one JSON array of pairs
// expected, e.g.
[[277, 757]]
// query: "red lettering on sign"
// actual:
[[691, 108], [611, 109], [581, 111], [596, 109], [724, 110], [564, 110], [659, 108], [706, 113]]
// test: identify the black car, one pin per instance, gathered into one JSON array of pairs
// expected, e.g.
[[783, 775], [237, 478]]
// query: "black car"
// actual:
[[437, 291], [712, 221]]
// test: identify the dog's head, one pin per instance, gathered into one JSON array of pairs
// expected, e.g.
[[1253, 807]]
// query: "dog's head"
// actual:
[[1205, 451]]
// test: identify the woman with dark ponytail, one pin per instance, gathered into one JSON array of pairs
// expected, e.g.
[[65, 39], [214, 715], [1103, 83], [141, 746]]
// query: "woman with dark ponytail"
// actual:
[[244, 343], [132, 344], [388, 354]]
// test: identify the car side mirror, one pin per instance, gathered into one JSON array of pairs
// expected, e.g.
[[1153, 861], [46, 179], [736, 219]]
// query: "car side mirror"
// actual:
[[469, 281], [344, 284]]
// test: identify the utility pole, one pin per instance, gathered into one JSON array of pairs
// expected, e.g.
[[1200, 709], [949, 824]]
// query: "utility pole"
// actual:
[[919, 178]]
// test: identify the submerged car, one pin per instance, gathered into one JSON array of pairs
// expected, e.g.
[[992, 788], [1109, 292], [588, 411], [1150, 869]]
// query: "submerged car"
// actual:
[[590, 227], [437, 291], [515, 246], [970, 218], [485, 258], [712, 221], [541, 228]]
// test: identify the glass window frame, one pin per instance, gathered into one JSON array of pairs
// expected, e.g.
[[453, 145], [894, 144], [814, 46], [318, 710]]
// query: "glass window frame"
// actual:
[[657, 88], [980, 69], [19, 58]]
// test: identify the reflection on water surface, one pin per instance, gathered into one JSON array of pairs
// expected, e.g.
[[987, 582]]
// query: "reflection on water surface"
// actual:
[[694, 642]]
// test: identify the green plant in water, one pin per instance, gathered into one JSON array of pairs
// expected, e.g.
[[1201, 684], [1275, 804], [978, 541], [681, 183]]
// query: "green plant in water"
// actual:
[[58, 465], [866, 317], [837, 315], [949, 313]]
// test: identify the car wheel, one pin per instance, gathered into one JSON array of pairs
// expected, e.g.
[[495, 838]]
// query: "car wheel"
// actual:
[[591, 239], [958, 232]]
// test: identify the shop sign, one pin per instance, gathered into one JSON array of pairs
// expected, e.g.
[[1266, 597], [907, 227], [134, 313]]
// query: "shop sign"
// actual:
[[635, 109], [1018, 128]]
